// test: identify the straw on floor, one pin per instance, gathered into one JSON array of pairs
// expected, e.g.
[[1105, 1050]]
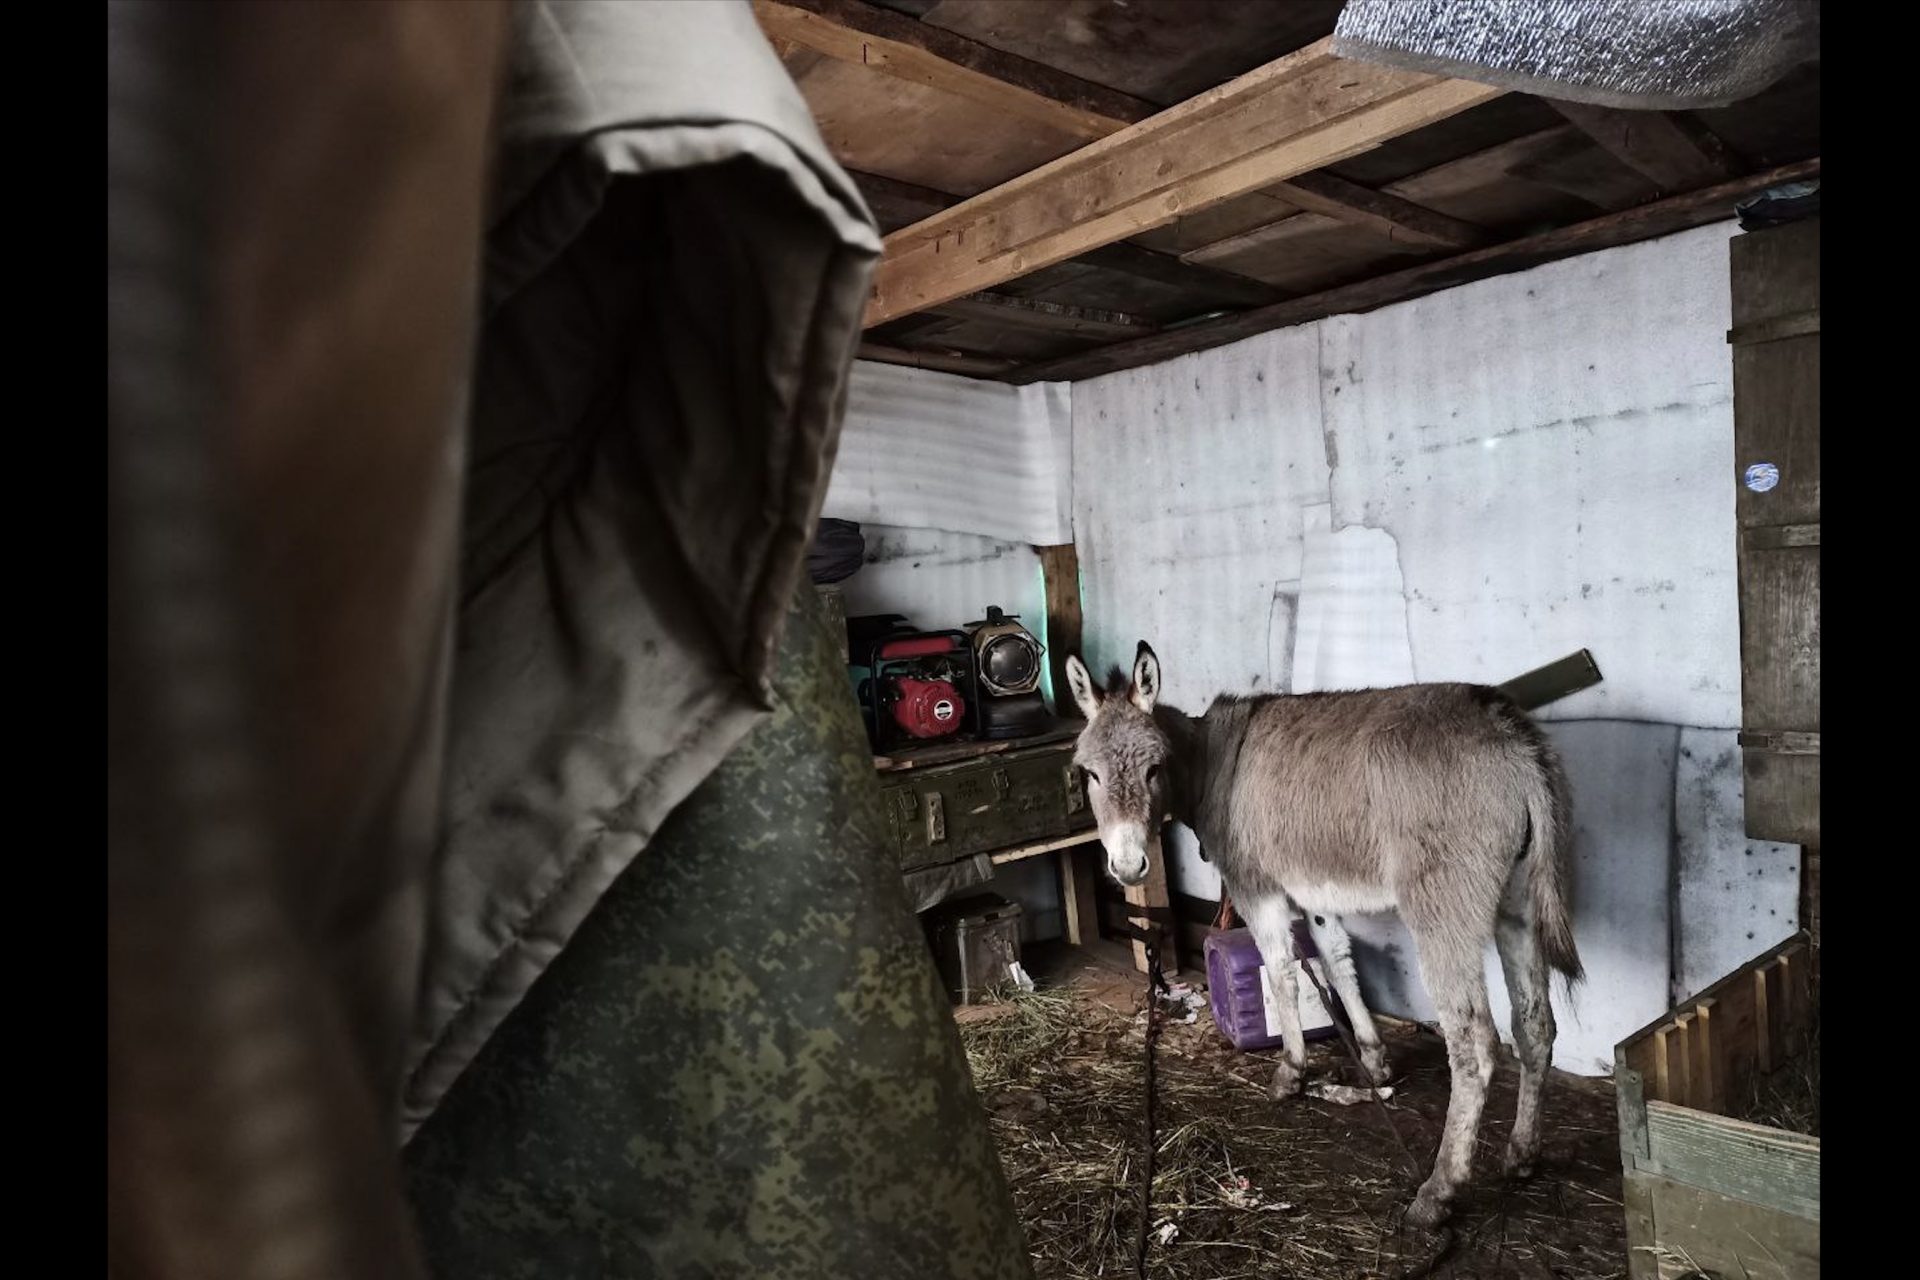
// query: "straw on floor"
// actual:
[[1247, 1187]]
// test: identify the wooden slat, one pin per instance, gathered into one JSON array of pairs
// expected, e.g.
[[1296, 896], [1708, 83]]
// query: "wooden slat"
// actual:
[[1775, 537], [944, 361], [1636, 1194], [897, 204], [1672, 152], [1399, 220], [1796, 324], [1709, 1072], [1079, 892], [1659, 218], [1291, 116], [899, 46], [1164, 268], [1055, 844], [1749, 1162], [1053, 317], [1675, 1230], [1741, 1017]]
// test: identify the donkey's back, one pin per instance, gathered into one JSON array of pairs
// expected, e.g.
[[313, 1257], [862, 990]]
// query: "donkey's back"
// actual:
[[1423, 796]]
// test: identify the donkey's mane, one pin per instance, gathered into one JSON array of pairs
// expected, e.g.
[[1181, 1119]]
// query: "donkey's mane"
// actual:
[[1118, 680]]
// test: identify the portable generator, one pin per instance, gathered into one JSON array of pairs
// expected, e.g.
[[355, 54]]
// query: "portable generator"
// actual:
[[1006, 664], [916, 686]]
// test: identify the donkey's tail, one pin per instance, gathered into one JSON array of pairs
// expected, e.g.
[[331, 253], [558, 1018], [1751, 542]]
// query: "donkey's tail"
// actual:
[[1550, 858]]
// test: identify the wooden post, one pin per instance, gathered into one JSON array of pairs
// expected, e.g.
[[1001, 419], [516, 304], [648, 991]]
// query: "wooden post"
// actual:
[[1060, 569], [1150, 895], [1079, 892]]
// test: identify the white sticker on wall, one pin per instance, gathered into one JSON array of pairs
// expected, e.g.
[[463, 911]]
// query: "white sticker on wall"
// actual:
[[1313, 1013], [1762, 476]]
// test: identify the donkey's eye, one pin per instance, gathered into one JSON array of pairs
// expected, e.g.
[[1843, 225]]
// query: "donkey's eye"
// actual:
[[1153, 771], [1091, 775]]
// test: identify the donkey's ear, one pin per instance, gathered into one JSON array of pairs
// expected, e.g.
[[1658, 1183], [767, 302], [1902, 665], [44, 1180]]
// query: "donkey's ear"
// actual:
[[1146, 678], [1085, 696]]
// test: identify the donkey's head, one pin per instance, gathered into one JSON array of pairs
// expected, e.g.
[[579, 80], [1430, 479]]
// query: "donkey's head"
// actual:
[[1124, 754]]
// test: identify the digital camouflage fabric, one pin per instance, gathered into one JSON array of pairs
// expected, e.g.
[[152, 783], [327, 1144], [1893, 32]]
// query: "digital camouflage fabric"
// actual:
[[742, 1065]]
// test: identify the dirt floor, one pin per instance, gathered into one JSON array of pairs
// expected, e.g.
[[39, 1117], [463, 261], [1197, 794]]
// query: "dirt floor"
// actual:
[[1248, 1187]]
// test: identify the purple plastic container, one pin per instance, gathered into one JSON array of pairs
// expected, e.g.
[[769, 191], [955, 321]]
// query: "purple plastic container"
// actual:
[[1236, 989]]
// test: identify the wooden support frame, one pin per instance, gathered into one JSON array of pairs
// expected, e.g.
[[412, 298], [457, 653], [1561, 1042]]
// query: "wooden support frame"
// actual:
[[1295, 114]]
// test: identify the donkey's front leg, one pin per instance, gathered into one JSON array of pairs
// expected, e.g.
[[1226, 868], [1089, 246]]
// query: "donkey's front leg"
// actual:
[[1271, 920], [1336, 953]]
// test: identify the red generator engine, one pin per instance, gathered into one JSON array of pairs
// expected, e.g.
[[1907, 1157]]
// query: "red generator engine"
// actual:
[[918, 687]]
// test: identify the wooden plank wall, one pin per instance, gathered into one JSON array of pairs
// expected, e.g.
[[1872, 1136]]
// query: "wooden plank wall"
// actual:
[[1776, 397]]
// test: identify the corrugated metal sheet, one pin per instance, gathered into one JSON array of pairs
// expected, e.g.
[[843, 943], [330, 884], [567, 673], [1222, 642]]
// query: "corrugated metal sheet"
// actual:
[[934, 451]]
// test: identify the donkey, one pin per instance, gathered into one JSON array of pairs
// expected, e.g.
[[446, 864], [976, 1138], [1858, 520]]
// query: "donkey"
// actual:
[[1443, 801]]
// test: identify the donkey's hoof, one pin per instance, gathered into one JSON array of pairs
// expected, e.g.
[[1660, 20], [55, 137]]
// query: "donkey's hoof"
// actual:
[[1518, 1165], [1373, 1057], [1287, 1081], [1429, 1209]]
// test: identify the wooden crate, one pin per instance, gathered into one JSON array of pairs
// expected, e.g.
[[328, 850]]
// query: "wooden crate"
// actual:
[[988, 803], [1704, 1192]]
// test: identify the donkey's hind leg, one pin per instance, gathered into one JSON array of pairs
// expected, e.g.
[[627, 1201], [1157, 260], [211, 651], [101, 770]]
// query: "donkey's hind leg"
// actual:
[[1336, 952], [1271, 919], [1525, 966], [1456, 979]]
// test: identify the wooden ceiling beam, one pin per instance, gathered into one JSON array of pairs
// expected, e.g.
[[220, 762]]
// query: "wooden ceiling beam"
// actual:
[[1643, 222], [908, 49], [1293, 115], [896, 204]]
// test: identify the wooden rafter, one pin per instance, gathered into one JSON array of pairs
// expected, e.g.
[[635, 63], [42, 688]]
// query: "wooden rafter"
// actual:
[[1644, 222], [1294, 115]]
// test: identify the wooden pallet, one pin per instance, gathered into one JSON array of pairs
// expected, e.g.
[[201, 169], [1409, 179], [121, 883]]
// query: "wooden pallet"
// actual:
[[1703, 1191]]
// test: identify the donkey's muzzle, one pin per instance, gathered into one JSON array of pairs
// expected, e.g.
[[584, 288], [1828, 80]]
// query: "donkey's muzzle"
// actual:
[[1127, 853]]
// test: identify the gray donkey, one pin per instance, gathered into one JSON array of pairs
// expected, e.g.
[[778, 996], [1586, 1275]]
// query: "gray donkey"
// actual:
[[1444, 801]]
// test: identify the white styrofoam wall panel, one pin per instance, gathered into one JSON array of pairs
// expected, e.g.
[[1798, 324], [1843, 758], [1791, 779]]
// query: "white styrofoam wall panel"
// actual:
[[1553, 453], [929, 450], [1352, 632], [942, 580], [1736, 897]]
